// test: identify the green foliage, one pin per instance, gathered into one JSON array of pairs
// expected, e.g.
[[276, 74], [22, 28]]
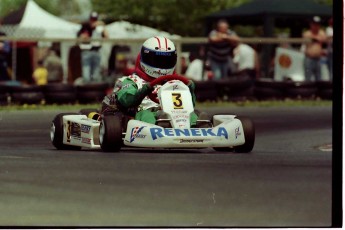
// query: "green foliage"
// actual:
[[56, 7], [183, 17]]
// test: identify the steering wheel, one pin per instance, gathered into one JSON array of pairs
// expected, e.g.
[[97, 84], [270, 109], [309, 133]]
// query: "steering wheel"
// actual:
[[160, 80]]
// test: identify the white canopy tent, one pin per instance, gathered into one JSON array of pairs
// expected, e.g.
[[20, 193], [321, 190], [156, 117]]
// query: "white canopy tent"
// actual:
[[124, 29], [36, 22], [52, 26]]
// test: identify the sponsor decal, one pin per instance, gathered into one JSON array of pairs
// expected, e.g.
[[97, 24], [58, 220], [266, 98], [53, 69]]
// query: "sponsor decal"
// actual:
[[237, 132], [285, 61], [181, 120], [180, 116], [178, 111], [175, 87], [163, 53], [126, 86], [157, 133], [135, 133], [85, 128], [73, 130], [86, 140], [191, 141]]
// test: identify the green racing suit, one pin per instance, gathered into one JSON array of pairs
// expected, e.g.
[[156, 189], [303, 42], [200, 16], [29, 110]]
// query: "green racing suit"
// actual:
[[133, 94]]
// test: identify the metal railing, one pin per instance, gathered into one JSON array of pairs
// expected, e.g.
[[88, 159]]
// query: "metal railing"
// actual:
[[130, 41]]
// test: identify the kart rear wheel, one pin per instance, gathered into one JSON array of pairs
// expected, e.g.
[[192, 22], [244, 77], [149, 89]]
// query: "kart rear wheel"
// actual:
[[110, 133], [57, 132], [249, 136]]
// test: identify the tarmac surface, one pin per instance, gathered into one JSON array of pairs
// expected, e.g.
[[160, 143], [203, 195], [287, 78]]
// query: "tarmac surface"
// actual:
[[286, 181]]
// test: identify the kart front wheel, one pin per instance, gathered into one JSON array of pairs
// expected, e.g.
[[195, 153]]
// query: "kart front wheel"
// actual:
[[57, 132], [110, 133], [249, 136]]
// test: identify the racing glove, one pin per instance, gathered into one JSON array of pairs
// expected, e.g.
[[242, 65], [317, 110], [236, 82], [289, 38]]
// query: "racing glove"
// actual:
[[142, 93], [132, 97]]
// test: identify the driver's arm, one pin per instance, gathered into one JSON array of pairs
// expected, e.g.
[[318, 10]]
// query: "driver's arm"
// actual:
[[191, 86], [130, 96]]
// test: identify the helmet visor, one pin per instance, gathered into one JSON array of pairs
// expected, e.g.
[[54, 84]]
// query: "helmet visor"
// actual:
[[159, 59]]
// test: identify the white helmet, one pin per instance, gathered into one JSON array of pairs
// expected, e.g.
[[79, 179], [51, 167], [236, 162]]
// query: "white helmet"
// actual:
[[158, 56]]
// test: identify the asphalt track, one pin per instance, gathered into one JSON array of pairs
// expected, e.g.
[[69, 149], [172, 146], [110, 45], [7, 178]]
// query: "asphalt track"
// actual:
[[285, 182]]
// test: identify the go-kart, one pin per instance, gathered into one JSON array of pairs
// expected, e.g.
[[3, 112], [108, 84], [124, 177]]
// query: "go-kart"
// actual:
[[112, 131]]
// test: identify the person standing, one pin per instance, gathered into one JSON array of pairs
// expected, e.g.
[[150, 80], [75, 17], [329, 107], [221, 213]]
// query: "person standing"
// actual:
[[220, 44], [329, 33], [246, 60], [53, 64], [195, 69], [40, 75], [90, 55], [313, 50]]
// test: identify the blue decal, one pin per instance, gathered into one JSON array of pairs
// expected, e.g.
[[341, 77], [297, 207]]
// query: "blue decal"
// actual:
[[135, 133], [160, 132], [85, 128]]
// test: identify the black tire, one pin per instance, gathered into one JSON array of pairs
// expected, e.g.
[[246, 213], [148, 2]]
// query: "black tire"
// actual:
[[249, 136], [56, 133], [268, 89], [4, 93], [301, 92], [60, 97], [265, 93], [3, 99], [59, 93], [92, 87], [270, 83], [301, 89], [111, 133], [58, 87], [205, 91], [325, 89], [24, 88], [233, 87], [326, 94], [27, 97], [90, 97]]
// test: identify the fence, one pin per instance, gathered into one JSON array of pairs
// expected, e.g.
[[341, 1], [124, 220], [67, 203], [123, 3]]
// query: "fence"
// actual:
[[229, 89], [179, 42]]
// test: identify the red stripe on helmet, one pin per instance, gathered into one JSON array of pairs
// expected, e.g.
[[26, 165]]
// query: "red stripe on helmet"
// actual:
[[166, 44], [159, 42]]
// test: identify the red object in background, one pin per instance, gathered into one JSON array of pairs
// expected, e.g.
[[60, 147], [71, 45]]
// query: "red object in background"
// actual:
[[210, 75], [128, 71]]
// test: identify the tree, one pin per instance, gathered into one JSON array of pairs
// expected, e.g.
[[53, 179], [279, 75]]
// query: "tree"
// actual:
[[56, 7], [183, 17]]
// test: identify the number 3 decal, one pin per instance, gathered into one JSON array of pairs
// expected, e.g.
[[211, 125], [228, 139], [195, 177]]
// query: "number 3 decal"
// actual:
[[177, 101]]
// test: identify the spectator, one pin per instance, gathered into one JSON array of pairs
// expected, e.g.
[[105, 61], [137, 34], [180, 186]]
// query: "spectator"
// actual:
[[54, 67], [195, 69], [90, 55], [246, 60], [329, 33], [313, 51], [40, 75], [184, 65], [220, 48], [4, 52]]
